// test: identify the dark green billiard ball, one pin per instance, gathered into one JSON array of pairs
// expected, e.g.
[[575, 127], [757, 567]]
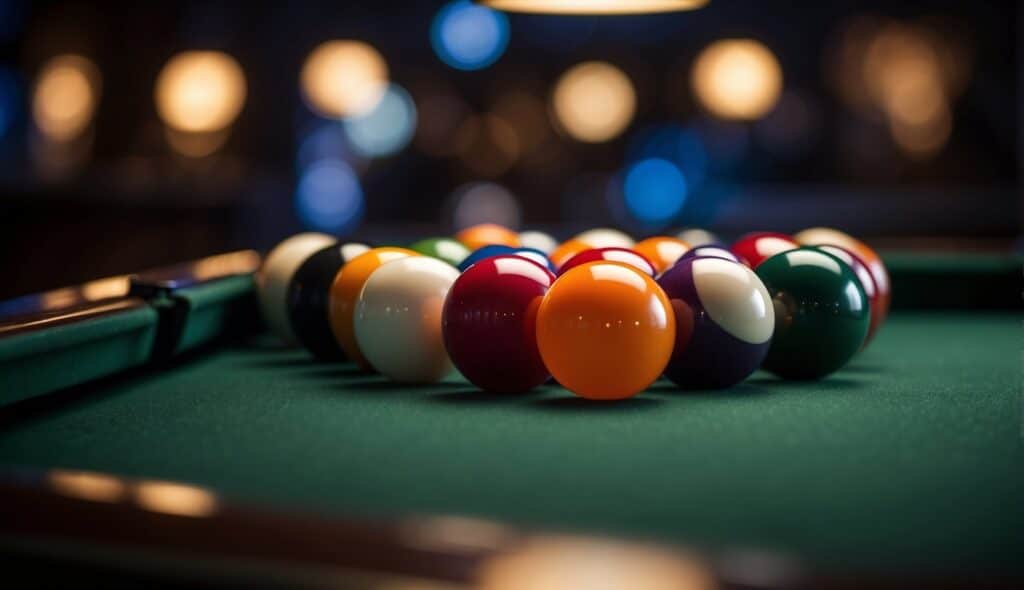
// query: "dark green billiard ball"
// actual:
[[447, 249], [821, 313]]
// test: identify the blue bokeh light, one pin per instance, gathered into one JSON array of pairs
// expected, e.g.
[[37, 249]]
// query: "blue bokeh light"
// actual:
[[467, 36], [387, 128], [328, 197], [9, 98], [682, 146], [325, 141], [654, 191]]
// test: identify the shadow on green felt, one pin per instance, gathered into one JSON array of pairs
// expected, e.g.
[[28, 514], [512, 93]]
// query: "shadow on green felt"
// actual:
[[479, 397], [579, 404], [337, 372], [288, 362], [864, 369], [830, 383], [380, 385], [669, 390]]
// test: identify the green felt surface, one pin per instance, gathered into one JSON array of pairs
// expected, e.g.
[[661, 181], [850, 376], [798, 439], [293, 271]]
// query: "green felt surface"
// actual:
[[910, 457]]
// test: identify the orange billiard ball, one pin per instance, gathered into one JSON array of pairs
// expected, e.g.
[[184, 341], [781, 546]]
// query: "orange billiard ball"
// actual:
[[488, 234], [567, 250], [605, 330], [663, 251]]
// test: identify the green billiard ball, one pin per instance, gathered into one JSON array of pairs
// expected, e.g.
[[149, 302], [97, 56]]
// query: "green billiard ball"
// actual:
[[821, 313], [446, 249]]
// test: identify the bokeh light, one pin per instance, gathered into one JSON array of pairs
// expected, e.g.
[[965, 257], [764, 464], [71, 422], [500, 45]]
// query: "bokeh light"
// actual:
[[343, 78], [195, 145], [547, 563], [682, 146], [923, 138], [908, 73], [594, 101], [791, 128], [737, 79], [467, 36], [441, 113], [487, 145], [66, 95], [484, 202], [9, 99], [200, 91], [324, 141], [594, 6], [329, 198], [177, 499], [387, 128], [526, 114], [654, 191]]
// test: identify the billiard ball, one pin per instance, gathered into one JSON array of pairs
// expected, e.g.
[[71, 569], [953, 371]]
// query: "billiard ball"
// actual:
[[567, 250], [345, 292], [754, 248], [823, 235], [604, 237], [451, 251], [662, 251], [822, 314], [709, 252], [498, 250], [490, 323], [605, 330], [698, 237], [307, 298], [867, 281], [486, 234], [398, 319], [613, 254], [275, 274], [538, 240], [724, 322]]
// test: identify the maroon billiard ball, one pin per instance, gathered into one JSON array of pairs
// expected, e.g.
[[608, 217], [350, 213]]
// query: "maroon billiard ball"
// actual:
[[867, 280], [754, 248], [611, 254], [489, 323]]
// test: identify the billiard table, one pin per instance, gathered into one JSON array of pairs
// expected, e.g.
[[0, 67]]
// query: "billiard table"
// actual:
[[150, 429]]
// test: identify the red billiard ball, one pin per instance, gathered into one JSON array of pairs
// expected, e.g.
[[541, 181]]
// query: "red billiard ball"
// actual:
[[754, 248], [489, 323], [613, 254]]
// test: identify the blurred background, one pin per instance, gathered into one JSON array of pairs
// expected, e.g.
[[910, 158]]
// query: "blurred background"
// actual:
[[135, 135]]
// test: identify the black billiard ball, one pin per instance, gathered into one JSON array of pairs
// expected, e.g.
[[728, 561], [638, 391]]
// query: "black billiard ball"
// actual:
[[307, 298]]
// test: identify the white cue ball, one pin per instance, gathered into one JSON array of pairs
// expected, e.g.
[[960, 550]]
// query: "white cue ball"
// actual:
[[398, 319], [538, 240], [604, 237], [276, 272]]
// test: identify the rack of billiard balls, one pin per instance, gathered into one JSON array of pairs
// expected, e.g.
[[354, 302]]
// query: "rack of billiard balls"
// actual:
[[601, 314]]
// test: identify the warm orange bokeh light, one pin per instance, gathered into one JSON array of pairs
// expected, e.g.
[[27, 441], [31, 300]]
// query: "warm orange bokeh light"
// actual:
[[594, 6], [200, 91], [594, 102], [65, 98], [344, 78], [737, 79]]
